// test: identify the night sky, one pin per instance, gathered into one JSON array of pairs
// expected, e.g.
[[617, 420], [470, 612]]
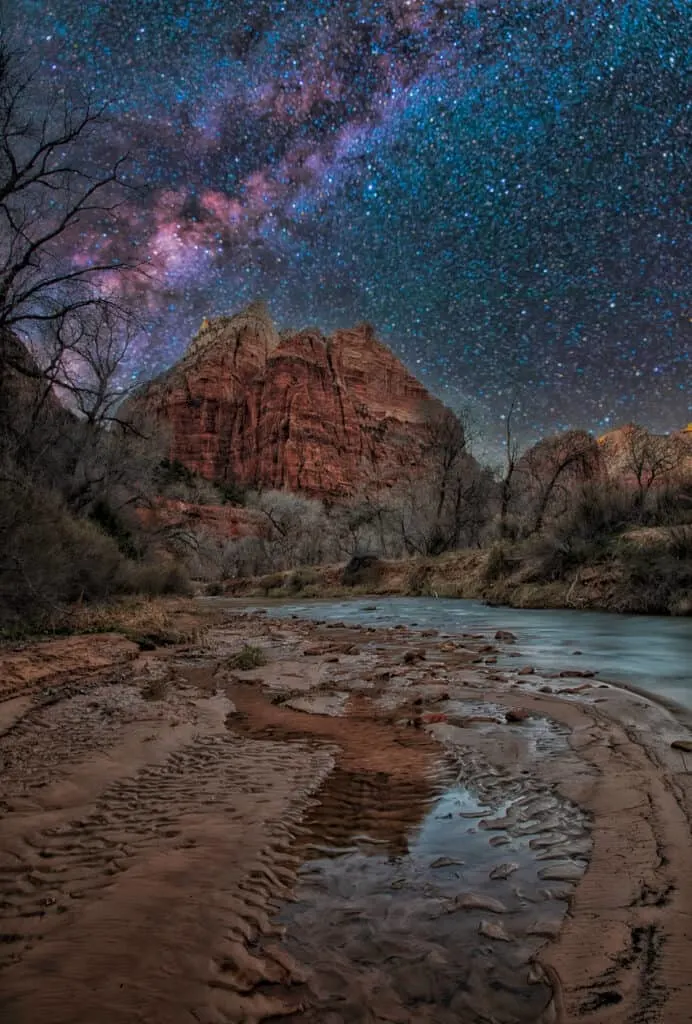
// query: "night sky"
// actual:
[[502, 188]]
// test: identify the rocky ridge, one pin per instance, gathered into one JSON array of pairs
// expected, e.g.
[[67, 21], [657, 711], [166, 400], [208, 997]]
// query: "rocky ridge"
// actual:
[[304, 412]]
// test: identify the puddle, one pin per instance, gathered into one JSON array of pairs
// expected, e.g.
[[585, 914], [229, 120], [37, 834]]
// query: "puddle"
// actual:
[[428, 903]]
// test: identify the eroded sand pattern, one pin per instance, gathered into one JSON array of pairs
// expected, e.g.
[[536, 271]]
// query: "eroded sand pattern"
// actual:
[[356, 831]]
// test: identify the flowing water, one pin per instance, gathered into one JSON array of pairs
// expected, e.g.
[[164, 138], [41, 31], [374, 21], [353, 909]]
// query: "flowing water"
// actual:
[[651, 652]]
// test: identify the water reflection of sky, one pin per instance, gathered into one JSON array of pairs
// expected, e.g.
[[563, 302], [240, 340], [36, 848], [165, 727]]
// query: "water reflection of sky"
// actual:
[[652, 652]]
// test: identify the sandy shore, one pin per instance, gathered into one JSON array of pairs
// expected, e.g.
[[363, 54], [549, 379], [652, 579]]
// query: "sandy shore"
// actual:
[[374, 825]]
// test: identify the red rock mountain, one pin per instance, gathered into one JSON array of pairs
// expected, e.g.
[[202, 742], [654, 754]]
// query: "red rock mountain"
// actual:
[[302, 412]]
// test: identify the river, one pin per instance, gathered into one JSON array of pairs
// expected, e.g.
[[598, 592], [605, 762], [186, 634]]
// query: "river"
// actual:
[[650, 652]]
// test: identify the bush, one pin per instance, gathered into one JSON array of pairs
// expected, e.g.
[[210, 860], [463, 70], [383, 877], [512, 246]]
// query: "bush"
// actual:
[[419, 581], [498, 563], [552, 556], [657, 582], [680, 542], [171, 472], [274, 581], [599, 511], [248, 657], [155, 578], [231, 492], [49, 558], [362, 571], [300, 579], [112, 524]]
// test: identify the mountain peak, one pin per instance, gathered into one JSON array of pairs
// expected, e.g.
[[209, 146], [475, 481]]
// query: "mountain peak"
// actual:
[[253, 326], [325, 416]]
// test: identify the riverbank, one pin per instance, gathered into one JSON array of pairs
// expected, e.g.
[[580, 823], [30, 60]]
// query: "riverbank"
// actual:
[[643, 573], [258, 819]]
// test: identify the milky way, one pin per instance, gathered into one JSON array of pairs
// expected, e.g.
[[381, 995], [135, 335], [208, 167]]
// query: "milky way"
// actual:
[[502, 188]]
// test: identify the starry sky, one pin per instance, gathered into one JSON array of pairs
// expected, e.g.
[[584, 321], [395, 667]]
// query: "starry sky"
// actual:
[[502, 188]]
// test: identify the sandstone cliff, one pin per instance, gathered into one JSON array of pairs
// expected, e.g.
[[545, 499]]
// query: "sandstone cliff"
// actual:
[[634, 454], [307, 413]]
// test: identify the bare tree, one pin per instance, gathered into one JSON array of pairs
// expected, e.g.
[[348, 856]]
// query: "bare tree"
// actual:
[[506, 481], [297, 524], [551, 470], [86, 356], [48, 195], [650, 458], [442, 503]]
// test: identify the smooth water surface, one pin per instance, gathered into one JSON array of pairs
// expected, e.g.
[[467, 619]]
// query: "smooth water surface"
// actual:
[[426, 901], [651, 652]]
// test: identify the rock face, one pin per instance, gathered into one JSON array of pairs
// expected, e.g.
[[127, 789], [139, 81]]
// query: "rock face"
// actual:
[[306, 413]]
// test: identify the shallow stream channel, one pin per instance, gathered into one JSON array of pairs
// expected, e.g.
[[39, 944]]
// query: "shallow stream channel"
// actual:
[[653, 653], [429, 900]]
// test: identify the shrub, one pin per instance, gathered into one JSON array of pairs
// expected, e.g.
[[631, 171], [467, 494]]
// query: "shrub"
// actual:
[[171, 472], [599, 511], [552, 556], [155, 577], [419, 580], [112, 524], [300, 579], [656, 582], [498, 563], [232, 493], [157, 689], [274, 581], [48, 557], [248, 657], [362, 571], [680, 542]]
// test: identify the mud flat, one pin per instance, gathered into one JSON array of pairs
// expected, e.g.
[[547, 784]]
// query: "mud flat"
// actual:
[[370, 825]]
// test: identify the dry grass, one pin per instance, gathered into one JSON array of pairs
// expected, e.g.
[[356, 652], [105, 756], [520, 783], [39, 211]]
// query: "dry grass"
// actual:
[[149, 621]]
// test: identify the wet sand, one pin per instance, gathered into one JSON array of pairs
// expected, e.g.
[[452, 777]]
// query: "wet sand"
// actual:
[[352, 832]]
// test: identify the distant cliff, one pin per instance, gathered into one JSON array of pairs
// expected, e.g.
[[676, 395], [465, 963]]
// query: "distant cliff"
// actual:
[[320, 415]]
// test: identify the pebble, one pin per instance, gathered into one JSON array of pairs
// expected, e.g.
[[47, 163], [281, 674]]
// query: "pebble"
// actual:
[[547, 929], [575, 689], [446, 862], [504, 870], [491, 930], [476, 901], [500, 841], [516, 715], [566, 871]]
